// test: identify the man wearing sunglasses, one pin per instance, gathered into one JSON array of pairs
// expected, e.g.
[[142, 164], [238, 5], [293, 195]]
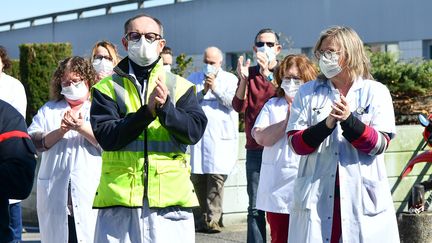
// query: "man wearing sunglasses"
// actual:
[[144, 117], [253, 90]]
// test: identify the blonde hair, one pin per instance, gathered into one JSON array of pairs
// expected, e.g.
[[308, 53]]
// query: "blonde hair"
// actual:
[[111, 48], [356, 62]]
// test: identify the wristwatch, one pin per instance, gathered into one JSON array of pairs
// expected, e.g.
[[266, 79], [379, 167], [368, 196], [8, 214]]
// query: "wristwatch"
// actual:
[[270, 77]]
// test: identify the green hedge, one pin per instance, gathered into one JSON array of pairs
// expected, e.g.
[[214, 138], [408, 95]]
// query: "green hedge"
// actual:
[[37, 65], [14, 70], [403, 78]]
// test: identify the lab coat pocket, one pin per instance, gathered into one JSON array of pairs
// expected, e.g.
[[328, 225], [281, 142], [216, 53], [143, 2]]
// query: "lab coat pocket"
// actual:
[[374, 196], [228, 130], [306, 193]]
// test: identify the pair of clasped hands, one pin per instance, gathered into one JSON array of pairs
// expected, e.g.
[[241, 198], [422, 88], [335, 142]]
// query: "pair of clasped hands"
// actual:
[[72, 120], [340, 112], [159, 94]]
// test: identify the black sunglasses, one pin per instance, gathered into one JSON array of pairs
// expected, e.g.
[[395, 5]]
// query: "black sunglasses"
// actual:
[[261, 44], [150, 37]]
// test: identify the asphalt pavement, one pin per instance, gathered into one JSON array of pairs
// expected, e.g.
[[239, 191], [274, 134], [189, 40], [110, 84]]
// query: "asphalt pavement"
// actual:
[[231, 233]]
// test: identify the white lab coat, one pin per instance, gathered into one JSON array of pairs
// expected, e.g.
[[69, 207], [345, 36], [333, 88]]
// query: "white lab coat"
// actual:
[[72, 158], [217, 151], [13, 92], [367, 210], [279, 163]]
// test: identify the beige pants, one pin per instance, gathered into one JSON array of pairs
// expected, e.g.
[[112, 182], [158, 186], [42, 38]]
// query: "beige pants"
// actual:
[[209, 189]]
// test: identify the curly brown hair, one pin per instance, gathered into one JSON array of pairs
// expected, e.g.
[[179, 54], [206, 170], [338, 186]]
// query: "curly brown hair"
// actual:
[[78, 65], [307, 70], [7, 63]]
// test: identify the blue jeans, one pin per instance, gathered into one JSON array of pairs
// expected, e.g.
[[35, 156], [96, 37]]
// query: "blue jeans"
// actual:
[[256, 224], [15, 221]]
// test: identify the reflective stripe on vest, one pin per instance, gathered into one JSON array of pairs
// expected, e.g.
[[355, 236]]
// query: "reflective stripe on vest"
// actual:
[[168, 179], [120, 91]]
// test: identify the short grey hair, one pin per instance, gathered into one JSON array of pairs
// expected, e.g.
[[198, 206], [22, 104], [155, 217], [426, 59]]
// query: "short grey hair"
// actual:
[[127, 23]]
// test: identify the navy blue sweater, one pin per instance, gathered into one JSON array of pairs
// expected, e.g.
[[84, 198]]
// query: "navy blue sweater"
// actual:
[[17, 163]]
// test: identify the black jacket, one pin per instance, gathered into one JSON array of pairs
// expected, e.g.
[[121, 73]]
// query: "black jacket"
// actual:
[[17, 163]]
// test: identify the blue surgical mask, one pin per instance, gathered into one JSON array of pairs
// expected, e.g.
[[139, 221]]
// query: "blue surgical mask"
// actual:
[[209, 69]]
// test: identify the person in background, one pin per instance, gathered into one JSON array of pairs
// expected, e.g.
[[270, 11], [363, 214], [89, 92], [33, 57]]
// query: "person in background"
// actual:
[[253, 90], [17, 165], [144, 127], [279, 162], [13, 92], [70, 156], [215, 155], [167, 58], [104, 58], [341, 123]]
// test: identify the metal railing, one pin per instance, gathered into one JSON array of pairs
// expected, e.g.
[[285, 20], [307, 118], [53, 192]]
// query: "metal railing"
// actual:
[[79, 13]]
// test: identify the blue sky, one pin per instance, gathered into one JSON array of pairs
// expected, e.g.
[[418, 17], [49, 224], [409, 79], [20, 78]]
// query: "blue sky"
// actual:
[[20, 9]]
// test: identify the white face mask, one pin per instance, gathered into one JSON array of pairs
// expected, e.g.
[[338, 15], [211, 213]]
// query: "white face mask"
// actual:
[[269, 51], [209, 70], [291, 86], [103, 66], [75, 91], [330, 66], [142, 52], [167, 67]]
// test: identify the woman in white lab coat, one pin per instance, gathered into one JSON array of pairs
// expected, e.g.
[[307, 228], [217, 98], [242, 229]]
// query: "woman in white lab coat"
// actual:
[[342, 123], [279, 162], [71, 163]]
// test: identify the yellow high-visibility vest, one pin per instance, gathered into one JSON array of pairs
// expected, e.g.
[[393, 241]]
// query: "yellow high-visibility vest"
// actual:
[[123, 181]]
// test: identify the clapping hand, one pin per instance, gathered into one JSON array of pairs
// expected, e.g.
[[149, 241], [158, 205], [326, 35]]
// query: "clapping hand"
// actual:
[[209, 82], [243, 70], [159, 95], [71, 121], [263, 62], [340, 109]]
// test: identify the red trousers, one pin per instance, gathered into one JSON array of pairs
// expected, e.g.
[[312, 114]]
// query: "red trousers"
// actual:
[[279, 223]]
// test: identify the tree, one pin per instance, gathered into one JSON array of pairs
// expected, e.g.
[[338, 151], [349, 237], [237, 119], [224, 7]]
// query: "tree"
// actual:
[[183, 64]]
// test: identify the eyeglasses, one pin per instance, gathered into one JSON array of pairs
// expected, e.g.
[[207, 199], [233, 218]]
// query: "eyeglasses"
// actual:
[[67, 83], [150, 37], [295, 79], [261, 44], [100, 57], [327, 54]]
